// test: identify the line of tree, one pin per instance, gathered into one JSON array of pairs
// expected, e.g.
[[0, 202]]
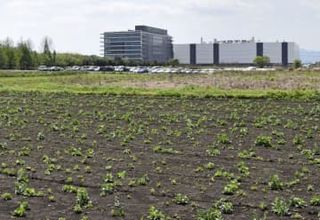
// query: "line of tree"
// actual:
[[20, 56], [23, 56]]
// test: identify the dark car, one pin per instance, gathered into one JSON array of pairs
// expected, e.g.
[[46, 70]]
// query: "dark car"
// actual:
[[107, 68]]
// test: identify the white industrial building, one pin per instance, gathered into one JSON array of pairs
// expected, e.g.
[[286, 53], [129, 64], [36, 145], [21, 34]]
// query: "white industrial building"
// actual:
[[240, 52]]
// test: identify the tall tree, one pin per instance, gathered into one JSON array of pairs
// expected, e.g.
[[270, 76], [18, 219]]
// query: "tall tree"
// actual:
[[3, 58], [46, 52], [10, 53], [25, 58], [54, 57], [35, 59]]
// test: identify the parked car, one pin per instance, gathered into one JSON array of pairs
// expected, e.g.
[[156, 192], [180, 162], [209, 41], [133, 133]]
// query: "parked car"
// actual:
[[96, 68], [107, 68], [140, 70], [56, 68], [91, 68], [43, 68], [75, 68]]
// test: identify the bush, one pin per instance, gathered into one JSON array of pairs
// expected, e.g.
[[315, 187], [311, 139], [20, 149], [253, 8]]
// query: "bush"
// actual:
[[315, 200], [21, 210], [261, 61], [82, 197], [6, 196], [223, 139], [224, 206], [181, 199], [297, 64], [280, 207], [297, 202], [155, 214], [210, 214], [264, 141], [83, 200], [231, 188], [275, 183]]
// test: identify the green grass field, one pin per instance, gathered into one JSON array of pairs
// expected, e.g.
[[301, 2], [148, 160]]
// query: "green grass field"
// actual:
[[280, 84]]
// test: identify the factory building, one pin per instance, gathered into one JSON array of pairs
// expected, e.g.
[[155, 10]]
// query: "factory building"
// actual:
[[146, 44], [236, 52]]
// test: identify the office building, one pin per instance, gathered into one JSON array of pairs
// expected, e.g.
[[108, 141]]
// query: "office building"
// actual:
[[145, 44]]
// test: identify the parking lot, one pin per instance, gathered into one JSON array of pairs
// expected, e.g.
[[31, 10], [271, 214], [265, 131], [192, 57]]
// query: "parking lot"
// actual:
[[151, 69]]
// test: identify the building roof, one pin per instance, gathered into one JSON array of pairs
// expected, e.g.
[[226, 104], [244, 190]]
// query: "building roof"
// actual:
[[151, 29]]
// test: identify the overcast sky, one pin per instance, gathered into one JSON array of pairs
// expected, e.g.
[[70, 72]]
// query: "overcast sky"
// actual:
[[75, 25]]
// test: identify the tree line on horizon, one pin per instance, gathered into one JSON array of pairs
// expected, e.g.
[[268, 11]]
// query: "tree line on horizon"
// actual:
[[22, 56]]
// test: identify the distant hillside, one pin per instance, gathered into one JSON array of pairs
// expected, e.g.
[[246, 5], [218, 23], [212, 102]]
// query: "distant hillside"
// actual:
[[308, 56]]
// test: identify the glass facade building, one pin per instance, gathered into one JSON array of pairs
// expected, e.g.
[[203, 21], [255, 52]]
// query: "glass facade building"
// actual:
[[147, 44]]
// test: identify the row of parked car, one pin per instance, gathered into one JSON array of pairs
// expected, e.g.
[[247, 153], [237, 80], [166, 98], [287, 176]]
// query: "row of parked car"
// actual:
[[135, 69], [145, 69]]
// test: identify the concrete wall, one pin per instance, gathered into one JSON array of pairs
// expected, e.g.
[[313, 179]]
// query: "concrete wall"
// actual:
[[293, 52], [273, 51], [204, 53], [182, 53], [238, 53]]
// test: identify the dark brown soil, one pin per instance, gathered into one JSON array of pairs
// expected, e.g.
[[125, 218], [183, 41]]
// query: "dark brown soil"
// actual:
[[123, 131]]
